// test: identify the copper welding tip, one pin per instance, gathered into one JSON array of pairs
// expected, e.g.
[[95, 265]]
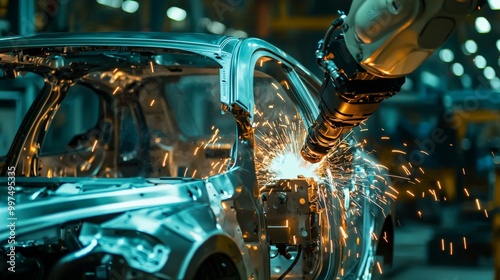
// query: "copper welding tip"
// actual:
[[309, 155]]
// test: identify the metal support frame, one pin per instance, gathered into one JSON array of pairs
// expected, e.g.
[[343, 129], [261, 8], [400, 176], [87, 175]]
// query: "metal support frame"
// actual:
[[26, 17]]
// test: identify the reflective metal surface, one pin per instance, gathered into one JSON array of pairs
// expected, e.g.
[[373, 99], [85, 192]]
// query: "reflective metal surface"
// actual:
[[156, 176]]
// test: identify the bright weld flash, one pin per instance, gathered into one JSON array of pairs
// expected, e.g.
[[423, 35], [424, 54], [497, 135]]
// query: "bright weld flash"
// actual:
[[290, 165]]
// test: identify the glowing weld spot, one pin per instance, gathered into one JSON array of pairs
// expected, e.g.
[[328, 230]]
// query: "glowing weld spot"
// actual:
[[291, 165]]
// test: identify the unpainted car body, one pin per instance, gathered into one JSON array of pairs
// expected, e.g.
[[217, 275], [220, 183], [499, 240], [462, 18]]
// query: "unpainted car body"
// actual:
[[165, 171]]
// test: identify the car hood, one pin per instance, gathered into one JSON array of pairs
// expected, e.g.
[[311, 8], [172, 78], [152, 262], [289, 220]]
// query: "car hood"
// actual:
[[40, 203]]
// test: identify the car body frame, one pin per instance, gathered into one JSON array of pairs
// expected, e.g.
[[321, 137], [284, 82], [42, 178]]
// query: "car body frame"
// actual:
[[164, 227]]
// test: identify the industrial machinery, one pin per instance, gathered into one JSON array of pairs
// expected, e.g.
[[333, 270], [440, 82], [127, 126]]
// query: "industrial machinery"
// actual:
[[123, 166], [379, 43]]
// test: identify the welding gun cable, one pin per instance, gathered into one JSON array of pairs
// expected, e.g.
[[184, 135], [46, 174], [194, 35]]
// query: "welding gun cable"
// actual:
[[299, 251]]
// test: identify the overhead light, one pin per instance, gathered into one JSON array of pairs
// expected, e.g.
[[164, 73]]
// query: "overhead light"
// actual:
[[408, 85], [494, 4], [466, 81], [446, 55], [480, 61], [240, 34], [216, 27], [430, 79], [489, 73], [471, 46], [237, 33], [176, 13], [204, 22], [482, 25], [457, 69], [498, 45], [495, 83], [130, 6], [111, 3]]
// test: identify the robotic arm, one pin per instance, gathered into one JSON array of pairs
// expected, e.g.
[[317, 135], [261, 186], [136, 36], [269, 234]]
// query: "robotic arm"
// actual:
[[377, 44]]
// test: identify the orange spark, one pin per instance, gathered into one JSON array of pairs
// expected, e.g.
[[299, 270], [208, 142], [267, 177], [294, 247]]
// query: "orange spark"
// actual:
[[286, 84], [93, 146], [433, 192], [392, 188], [407, 171], [379, 268], [391, 195], [344, 235], [164, 160]]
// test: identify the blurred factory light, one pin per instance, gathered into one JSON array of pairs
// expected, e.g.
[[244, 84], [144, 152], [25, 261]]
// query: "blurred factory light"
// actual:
[[408, 85], [176, 13], [216, 27], [430, 79], [483, 25], [498, 45], [495, 83], [40, 20], [204, 22], [240, 34], [466, 144], [130, 6], [471, 46], [494, 4], [446, 55], [489, 73], [480, 61], [457, 69], [466, 81], [236, 33], [111, 3]]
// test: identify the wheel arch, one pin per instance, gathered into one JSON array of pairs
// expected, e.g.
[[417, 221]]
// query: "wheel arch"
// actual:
[[217, 246]]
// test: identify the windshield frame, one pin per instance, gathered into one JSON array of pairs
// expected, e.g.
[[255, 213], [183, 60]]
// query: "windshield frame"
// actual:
[[61, 69]]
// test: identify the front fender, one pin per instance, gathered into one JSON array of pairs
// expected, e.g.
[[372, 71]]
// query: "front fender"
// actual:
[[213, 246]]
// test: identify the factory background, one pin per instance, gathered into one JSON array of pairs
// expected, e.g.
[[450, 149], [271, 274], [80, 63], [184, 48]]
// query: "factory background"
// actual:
[[444, 125]]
